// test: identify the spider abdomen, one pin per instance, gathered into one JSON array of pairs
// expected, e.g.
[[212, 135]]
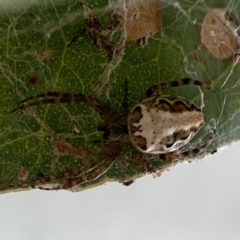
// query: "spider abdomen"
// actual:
[[162, 124]]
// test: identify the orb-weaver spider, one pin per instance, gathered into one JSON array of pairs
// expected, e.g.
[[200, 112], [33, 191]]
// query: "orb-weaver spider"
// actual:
[[159, 124]]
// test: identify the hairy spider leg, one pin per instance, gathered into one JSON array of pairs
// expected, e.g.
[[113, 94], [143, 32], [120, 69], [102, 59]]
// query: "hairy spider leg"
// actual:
[[115, 125], [87, 173], [44, 98], [192, 152], [184, 81], [85, 169], [62, 98], [125, 98], [83, 178], [108, 160]]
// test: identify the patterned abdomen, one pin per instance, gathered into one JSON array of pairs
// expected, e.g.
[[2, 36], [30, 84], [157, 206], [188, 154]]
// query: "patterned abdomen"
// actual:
[[163, 124]]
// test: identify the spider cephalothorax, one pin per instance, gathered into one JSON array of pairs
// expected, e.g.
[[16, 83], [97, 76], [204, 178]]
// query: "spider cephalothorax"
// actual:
[[159, 124]]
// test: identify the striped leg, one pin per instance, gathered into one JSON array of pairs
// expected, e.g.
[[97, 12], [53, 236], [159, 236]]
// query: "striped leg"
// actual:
[[84, 176], [184, 81], [63, 98], [125, 98]]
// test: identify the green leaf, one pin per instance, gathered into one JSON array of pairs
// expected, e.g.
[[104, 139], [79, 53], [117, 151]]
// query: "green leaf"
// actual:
[[42, 144]]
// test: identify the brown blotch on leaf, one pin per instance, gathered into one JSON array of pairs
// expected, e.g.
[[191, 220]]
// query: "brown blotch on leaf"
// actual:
[[217, 34], [23, 173], [144, 19], [46, 55], [197, 56], [33, 79]]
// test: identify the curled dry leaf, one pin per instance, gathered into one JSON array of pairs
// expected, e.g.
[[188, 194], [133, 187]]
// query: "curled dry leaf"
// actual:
[[217, 34], [143, 18]]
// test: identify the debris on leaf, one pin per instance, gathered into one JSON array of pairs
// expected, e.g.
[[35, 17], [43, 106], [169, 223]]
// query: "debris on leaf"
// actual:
[[218, 34], [32, 79], [46, 55], [100, 35], [23, 173], [143, 19]]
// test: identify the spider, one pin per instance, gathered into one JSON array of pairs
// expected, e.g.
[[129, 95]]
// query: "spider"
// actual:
[[159, 124]]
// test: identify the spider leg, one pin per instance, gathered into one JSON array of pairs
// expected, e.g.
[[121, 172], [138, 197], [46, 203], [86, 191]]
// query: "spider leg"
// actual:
[[94, 173], [61, 98], [125, 98], [192, 152], [69, 182], [91, 170], [44, 98], [184, 81], [115, 125]]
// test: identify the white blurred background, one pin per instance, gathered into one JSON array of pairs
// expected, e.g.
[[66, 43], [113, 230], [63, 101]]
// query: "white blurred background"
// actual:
[[197, 201]]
